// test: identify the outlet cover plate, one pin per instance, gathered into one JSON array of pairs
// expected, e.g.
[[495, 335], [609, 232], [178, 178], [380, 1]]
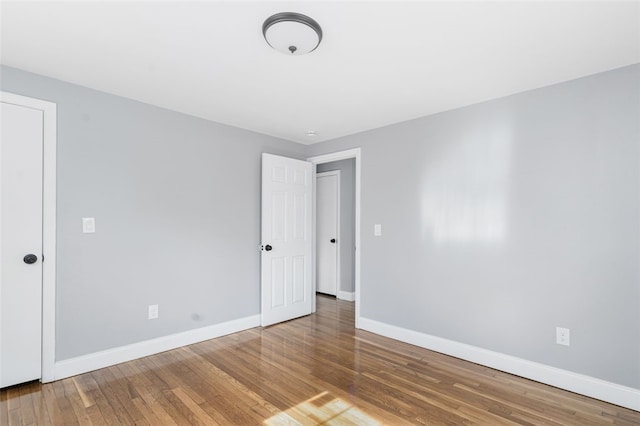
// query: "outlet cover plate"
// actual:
[[153, 311], [563, 336]]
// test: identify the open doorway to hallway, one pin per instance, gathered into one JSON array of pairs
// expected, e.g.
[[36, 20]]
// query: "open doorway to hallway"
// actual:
[[353, 155], [335, 229]]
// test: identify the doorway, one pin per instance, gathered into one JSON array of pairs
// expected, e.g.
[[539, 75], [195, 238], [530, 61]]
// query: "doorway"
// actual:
[[318, 161]]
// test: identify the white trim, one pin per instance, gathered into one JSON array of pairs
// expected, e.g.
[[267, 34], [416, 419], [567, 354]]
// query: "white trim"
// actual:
[[314, 253], [349, 296], [49, 110], [563, 379], [326, 158], [339, 235], [335, 173], [94, 361]]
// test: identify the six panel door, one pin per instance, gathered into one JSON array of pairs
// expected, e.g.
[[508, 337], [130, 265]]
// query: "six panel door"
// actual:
[[286, 239]]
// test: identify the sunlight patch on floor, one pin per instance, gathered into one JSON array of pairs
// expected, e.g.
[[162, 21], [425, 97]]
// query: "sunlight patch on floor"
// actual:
[[323, 408]]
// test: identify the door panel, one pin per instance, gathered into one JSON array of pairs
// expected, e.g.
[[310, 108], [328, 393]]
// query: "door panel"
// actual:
[[327, 207], [286, 239], [20, 234], [299, 279]]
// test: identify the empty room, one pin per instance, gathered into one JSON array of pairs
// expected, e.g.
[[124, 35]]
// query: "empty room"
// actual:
[[320, 212]]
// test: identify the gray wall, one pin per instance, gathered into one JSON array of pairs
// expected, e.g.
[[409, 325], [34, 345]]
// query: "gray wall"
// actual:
[[177, 207], [505, 219], [501, 221], [347, 219]]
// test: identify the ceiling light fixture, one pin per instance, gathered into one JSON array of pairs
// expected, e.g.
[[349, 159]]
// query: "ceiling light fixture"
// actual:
[[311, 133], [292, 33]]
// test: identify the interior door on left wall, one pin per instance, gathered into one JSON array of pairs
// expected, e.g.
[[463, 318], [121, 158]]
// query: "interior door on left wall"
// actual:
[[21, 151], [286, 245]]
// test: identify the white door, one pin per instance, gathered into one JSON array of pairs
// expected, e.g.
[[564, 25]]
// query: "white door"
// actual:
[[21, 145], [327, 231], [286, 239]]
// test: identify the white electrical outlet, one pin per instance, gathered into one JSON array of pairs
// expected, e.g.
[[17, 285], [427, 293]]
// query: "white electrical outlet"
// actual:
[[377, 230], [563, 336], [153, 311]]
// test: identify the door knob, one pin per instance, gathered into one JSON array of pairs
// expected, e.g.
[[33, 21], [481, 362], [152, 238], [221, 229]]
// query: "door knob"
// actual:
[[30, 258], [333, 240], [268, 247]]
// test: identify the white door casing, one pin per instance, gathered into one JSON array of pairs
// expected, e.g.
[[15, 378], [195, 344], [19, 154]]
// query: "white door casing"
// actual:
[[20, 235], [286, 280], [27, 226], [328, 232]]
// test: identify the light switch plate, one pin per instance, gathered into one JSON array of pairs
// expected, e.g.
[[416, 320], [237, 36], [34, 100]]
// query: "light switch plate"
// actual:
[[377, 230], [88, 225]]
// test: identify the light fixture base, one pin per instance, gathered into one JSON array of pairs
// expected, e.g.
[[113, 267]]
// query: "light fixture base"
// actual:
[[292, 33]]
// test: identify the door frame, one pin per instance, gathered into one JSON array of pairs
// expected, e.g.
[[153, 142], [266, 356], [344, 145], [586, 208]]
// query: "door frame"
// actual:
[[49, 142], [335, 173], [327, 158]]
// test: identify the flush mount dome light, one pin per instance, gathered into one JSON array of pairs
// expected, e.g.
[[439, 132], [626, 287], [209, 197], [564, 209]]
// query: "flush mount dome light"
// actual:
[[292, 33]]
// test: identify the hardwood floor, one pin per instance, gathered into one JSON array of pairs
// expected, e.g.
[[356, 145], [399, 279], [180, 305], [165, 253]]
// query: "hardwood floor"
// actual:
[[313, 370]]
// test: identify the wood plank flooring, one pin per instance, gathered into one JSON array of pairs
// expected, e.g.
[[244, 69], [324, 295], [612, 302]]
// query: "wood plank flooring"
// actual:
[[313, 370]]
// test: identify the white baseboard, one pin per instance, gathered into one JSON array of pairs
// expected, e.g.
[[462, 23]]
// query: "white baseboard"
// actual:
[[574, 382], [109, 357], [349, 296]]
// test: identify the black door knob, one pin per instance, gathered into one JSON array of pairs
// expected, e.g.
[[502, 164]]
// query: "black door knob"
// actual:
[[30, 258], [333, 240], [268, 247]]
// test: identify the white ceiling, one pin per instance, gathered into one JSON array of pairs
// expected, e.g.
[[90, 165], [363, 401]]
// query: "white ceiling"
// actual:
[[379, 62]]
